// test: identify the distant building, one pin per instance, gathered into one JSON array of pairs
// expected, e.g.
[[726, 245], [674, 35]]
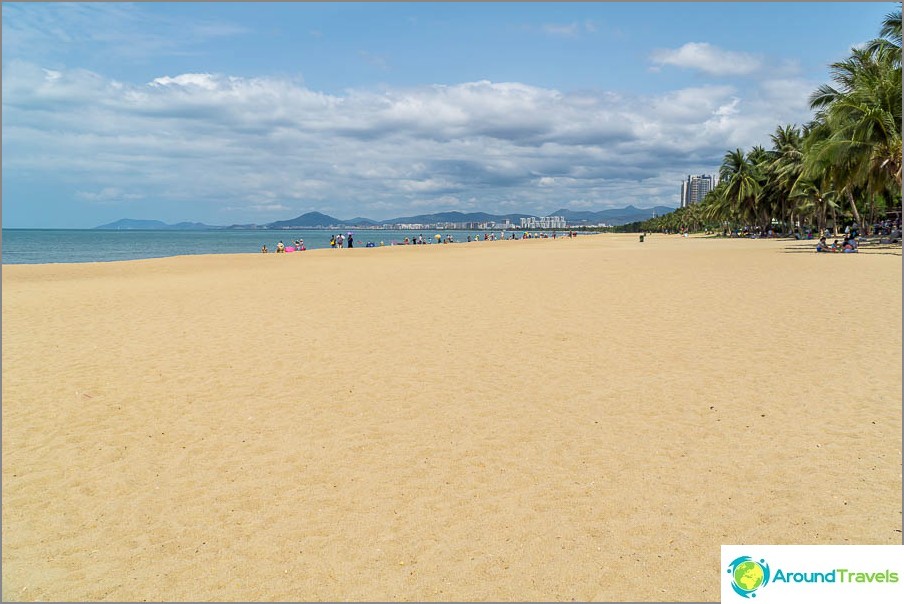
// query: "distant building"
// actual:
[[547, 222], [695, 188]]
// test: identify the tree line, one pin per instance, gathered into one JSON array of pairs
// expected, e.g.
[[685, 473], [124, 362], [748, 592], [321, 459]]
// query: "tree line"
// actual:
[[843, 166]]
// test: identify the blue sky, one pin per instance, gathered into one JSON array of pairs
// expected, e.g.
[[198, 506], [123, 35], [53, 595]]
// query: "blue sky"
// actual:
[[231, 113]]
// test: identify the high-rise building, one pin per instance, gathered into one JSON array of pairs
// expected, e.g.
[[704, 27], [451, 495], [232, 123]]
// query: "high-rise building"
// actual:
[[695, 188]]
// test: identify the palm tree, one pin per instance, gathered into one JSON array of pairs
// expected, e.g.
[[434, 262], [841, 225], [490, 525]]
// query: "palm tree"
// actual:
[[741, 175], [863, 119], [889, 40], [850, 151], [716, 206], [787, 165]]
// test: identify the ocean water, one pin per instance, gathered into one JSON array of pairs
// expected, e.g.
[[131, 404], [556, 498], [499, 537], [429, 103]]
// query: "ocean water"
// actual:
[[39, 246]]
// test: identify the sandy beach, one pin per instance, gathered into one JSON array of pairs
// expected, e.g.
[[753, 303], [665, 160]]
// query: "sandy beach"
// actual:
[[584, 419]]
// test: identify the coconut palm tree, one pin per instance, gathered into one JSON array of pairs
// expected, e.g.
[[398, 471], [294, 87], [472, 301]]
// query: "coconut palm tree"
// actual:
[[863, 118], [889, 40], [850, 152], [787, 165], [742, 184]]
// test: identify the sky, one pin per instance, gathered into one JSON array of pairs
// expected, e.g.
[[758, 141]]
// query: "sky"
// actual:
[[237, 113]]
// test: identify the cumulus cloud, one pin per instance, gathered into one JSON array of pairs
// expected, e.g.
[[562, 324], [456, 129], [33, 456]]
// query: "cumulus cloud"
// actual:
[[708, 59], [256, 149], [202, 80]]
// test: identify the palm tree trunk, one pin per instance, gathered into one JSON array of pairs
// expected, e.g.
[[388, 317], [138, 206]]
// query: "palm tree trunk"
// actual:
[[834, 223], [784, 229], [850, 197]]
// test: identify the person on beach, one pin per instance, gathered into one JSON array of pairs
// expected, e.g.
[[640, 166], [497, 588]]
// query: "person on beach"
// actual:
[[351, 240], [264, 249], [333, 241], [280, 248], [822, 246], [339, 241]]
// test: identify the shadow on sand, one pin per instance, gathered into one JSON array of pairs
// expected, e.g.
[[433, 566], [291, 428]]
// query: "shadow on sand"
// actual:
[[867, 247]]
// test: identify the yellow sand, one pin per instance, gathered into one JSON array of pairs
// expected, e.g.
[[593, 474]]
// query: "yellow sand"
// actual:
[[542, 419]]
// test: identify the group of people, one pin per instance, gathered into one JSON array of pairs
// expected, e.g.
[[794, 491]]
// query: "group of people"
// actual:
[[298, 246], [336, 241], [848, 246], [340, 240], [449, 238]]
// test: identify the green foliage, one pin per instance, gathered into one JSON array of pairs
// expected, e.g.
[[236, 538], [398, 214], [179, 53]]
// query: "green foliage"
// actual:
[[845, 164]]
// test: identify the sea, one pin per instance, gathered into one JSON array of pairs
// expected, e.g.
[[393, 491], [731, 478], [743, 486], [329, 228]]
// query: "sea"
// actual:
[[48, 246]]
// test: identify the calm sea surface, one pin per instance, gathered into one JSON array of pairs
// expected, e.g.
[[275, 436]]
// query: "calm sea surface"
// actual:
[[37, 246]]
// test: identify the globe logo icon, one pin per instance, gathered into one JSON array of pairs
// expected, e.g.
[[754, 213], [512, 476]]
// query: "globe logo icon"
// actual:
[[748, 575]]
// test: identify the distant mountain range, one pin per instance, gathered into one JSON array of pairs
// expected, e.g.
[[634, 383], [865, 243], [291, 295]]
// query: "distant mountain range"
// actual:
[[127, 224], [318, 220]]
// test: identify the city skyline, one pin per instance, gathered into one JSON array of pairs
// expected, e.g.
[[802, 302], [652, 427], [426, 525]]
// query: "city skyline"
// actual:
[[229, 113]]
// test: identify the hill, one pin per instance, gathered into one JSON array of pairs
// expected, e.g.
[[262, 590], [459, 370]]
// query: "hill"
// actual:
[[311, 219], [456, 217], [129, 224], [617, 216]]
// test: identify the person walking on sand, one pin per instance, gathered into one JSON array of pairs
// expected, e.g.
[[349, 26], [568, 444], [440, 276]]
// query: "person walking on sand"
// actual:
[[351, 240], [333, 241], [339, 240]]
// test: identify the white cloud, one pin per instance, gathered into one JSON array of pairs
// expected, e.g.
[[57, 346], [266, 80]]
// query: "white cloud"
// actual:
[[202, 80], [274, 146], [569, 30], [708, 59], [788, 93], [559, 29], [38, 30], [107, 195]]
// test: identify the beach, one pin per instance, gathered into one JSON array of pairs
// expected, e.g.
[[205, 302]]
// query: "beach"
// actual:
[[585, 419]]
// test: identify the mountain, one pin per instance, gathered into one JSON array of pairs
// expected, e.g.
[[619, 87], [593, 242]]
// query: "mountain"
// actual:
[[311, 219], [456, 217], [358, 221], [128, 224], [316, 219], [615, 217]]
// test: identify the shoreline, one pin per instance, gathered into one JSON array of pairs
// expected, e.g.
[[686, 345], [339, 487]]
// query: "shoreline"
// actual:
[[538, 420]]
